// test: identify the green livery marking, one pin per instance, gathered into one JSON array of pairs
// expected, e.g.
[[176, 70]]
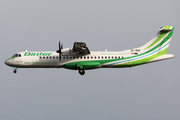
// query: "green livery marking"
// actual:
[[36, 54], [167, 27], [11, 58], [157, 40], [161, 35]]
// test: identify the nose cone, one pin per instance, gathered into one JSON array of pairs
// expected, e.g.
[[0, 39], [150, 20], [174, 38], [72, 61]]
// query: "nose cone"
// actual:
[[6, 62]]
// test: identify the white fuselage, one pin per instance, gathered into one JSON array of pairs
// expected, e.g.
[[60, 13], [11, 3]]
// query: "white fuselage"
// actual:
[[50, 59]]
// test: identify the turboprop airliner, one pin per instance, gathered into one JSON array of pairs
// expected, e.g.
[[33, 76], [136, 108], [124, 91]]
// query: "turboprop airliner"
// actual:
[[80, 58]]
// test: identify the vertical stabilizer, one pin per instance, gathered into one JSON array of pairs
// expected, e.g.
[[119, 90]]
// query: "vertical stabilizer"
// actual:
[[162, 38], [155, 49]]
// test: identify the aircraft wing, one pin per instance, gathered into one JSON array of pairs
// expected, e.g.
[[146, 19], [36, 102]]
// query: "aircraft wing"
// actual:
[[81, 48]]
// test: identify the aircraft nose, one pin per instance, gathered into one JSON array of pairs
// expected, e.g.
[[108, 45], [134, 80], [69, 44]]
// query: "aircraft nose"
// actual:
[[7, 62]]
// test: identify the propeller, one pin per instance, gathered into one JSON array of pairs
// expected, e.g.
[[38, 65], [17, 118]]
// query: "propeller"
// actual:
[[60, 50]]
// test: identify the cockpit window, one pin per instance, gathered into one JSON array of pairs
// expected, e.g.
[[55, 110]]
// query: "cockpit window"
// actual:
[[16, 55]]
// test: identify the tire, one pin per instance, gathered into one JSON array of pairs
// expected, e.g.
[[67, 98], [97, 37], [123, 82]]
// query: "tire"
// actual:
[[81, 72]]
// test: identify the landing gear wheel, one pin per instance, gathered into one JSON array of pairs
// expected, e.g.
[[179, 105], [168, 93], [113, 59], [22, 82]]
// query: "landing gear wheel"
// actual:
[[15, 71], [81, 72]]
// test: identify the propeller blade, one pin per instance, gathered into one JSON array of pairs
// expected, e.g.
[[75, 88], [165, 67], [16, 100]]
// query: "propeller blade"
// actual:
[[59, 45], [60, 50]]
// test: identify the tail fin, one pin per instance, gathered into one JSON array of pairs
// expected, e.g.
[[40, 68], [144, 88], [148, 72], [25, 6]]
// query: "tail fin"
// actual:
[[155, 49], [161, 41]]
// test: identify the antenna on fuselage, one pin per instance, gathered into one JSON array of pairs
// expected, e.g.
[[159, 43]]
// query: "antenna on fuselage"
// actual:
[[26, 50]]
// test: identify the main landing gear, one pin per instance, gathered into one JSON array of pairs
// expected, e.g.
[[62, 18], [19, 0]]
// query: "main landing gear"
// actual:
[[81, 71]]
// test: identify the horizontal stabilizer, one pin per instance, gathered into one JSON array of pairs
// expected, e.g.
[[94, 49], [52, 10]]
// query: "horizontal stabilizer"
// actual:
[[162, 57]]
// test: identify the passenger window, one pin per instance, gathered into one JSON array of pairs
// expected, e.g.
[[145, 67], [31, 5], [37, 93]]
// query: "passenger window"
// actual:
[[40, 57], [109, 57], [119, 57], [57, 57], [46, 57], [92, 57], [84, 57], [98, 57], [95, 57], [70, 57], [43, 57], [112, 57], [19, 55], [74, 57], [88, 57], [77, 57], [115, 57], [122, 57], [105, 57], [81, 57], [102, 57], [53, 57]]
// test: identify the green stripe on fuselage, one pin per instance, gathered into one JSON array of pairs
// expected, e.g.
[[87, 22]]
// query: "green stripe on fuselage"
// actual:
[[141, 61]]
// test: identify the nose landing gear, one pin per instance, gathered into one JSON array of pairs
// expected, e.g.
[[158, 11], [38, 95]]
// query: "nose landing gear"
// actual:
[[15, 69]]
